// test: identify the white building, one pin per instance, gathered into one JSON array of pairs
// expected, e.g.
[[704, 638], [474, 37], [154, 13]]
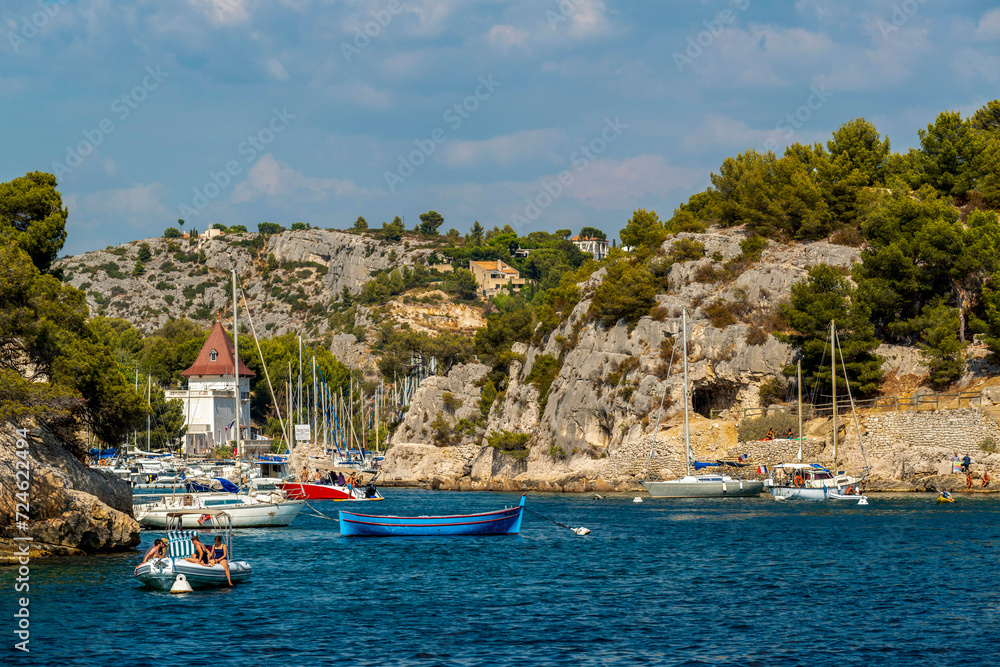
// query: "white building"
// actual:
[[209, 401], [595, 246]]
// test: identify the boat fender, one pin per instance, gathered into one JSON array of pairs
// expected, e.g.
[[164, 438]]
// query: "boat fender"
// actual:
[[798, 480], [863, 501], [181, 585], [637, 499], [581, 531]]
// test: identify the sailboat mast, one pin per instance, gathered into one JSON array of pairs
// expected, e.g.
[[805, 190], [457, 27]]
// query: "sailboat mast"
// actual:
[[149, 404], [833, 378], [236, 362], [687, 433], [798, 381]]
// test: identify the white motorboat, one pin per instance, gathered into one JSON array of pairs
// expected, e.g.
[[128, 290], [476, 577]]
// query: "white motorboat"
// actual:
[[162, 573], [245, 511]]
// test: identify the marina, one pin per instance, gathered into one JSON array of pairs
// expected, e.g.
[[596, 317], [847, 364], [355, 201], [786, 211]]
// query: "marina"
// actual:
[[587, 599]]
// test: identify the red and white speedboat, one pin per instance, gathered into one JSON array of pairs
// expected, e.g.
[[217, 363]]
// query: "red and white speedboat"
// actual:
[[327, 491]]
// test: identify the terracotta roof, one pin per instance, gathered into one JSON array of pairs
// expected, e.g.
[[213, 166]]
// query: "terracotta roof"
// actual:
[[223, 364]]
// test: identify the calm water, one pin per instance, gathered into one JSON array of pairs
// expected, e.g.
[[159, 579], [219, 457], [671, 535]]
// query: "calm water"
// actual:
[[903, 581]]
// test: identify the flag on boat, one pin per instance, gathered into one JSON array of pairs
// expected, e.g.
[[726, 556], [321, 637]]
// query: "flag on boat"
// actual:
[[761, 470], [231, 424]]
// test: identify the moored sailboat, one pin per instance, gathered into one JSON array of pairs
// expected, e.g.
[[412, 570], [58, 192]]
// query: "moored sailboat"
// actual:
[[697, 486]]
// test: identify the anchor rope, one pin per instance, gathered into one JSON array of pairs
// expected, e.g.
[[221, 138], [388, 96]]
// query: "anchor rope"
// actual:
[[542, 516]]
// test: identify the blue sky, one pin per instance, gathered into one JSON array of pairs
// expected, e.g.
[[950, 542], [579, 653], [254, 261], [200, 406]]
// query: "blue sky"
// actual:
[[323, 111]]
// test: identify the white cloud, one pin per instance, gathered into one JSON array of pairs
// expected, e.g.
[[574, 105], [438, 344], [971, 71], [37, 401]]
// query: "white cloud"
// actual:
[[614, 184], [588, 18], [989, 25], [506, 36], [277, 70], [270, 178], [977, 65], [505, 150], [222, 12], [142, 200]]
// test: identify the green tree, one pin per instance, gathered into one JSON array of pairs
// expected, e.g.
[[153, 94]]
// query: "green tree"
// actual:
[[475, 237], [462, 283], [940, 343], [393, 231], [627, 293], [32, 217], [145, 254], [643, 230], [172, 233], [987, 119], [269, 228], [166, 421], [360, 224], [298, 226], [139, 268], [863, 147], [824, 296], [429, 223], [237, 229], [592, 233], [952, 150]]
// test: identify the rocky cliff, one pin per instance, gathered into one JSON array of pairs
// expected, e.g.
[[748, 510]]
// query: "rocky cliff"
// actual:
[[72, 509]]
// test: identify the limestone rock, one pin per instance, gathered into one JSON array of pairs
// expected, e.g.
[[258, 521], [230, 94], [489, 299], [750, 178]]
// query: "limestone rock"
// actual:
[[429, 399], [73, 509]]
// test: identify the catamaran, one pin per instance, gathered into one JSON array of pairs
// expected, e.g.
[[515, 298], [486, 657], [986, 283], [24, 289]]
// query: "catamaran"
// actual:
[[696, 486], [812, 481]]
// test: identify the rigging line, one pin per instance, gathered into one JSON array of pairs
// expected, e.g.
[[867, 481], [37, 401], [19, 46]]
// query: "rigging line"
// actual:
[[659, 413], [253, 330], [854, 412]]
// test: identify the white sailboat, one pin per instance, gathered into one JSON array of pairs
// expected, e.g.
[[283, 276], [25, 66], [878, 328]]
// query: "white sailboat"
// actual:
[[697, 486], [812, 481]]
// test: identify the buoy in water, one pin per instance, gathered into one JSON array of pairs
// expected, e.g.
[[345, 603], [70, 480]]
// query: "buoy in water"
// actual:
[[181, 585], [598, 496], [581, 531], [863, 501], [780, 498], [637, 499]]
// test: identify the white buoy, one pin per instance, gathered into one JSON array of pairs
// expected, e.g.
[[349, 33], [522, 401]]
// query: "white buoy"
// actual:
[[581, 531], [637, 499], [780, 498], [863, 501], [598, 496], [181, 585]]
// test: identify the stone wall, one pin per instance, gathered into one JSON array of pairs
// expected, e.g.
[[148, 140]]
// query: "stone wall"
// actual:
[[958, 430]]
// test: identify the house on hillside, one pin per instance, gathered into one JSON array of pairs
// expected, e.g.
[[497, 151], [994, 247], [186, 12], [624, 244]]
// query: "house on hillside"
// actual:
[[209, 401], [595, 246], [493, 276]]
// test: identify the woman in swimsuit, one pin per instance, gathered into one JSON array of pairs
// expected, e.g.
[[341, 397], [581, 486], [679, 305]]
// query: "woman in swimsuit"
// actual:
[[200, 552], [221, 555]]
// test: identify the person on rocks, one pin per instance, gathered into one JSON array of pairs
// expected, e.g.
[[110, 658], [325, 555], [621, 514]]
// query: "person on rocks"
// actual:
[[790, 436], [770, 434], [986, 480], [956, 464], [966, 463], [968, 481]]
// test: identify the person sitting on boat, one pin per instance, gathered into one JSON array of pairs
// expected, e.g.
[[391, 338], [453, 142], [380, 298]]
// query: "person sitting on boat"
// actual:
[[770, 434], [158, 550], [945, 494], [340, 480], [220, 554], [200, 552]]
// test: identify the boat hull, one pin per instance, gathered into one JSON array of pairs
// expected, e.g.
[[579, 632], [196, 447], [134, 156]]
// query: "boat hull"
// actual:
[[824, 493], [736, 488], [311, 491], [160, 573], [244, 516], [503, 522]]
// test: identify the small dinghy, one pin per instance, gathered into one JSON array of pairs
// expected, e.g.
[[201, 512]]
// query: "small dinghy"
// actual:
[[502, 522], [162, 573]]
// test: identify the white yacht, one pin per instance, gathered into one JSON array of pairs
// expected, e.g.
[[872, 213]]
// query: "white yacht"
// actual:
[[246, 511]]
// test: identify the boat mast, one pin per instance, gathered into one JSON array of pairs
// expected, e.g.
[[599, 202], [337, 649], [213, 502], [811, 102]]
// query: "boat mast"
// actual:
[[833, 378], [149, 405], [687, 434], [298, 404], [236, 362], [798, 381]]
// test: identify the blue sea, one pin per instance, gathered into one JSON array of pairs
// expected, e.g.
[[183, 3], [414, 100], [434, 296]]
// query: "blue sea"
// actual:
[[902, 581]]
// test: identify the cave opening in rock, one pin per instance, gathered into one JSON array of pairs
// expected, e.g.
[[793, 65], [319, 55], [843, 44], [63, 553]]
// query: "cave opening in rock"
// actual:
[[718, 397]]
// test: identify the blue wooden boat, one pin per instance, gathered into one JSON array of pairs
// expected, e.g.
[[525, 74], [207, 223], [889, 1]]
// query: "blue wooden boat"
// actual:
[[503, 522]]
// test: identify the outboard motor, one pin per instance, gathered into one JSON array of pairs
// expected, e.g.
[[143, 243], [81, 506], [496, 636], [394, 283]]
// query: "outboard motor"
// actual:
[[370, 491]]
